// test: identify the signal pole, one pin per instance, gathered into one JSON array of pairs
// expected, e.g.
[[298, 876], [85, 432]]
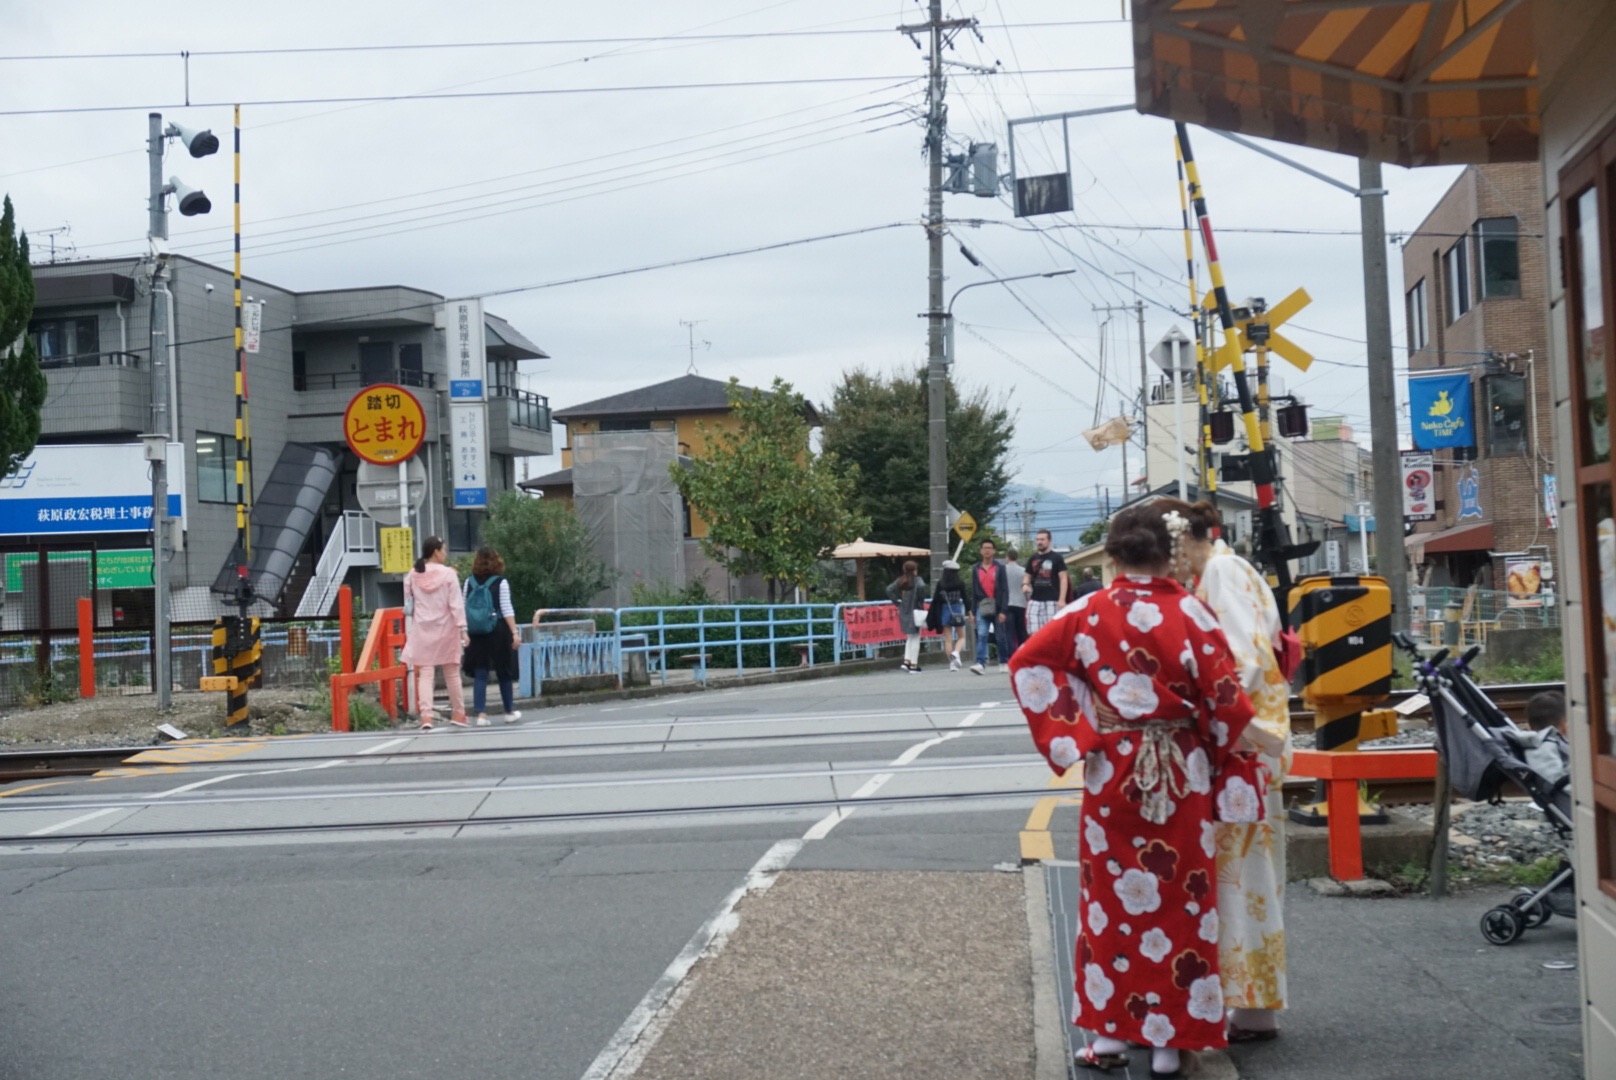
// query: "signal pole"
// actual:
[[936, 29]]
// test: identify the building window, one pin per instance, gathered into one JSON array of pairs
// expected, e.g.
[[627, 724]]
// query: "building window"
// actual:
[[376, 364], [66, 342], [1498, 257], [1456, 269], [1418, 336], [215, 468], [1506, 415], [625, 425], [300, 370], [409, 366]]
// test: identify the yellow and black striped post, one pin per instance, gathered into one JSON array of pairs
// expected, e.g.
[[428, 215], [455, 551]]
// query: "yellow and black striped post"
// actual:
[[237, 657], [1272, 543], [1345, 624], [1207, 476]]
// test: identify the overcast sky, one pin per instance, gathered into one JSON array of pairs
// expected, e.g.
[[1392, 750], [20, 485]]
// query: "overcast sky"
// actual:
[[478, 194]]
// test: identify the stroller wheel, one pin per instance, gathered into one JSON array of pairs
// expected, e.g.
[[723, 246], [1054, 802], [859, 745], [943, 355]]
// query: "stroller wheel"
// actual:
[[1535, 914], [1503, 925]]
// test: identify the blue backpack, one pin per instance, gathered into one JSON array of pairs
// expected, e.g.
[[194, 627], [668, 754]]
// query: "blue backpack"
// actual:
[[480, 615]]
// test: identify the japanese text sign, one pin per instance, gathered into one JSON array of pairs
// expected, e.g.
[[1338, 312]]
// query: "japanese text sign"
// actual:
[[468, 445], [468, 359], [398, 550], [876, 624], [384, 424]]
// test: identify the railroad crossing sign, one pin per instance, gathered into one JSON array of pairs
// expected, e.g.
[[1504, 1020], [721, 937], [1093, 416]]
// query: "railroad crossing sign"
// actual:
[[965, 525], [384, 424], [1261, 330]]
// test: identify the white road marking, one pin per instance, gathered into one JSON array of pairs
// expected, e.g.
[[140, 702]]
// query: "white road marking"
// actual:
[[627, 1049], [969, 720], [872, 785], [824, 825], [386, 745], [70, 822]]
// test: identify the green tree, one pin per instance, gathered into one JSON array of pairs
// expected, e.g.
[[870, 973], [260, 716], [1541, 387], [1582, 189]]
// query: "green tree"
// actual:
[[771, 507], [877, 425], [1094, 533], [549, 559], [22, 384]]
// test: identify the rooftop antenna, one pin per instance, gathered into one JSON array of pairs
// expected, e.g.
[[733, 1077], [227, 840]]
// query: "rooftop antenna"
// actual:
[[690, 327], [66, 233]]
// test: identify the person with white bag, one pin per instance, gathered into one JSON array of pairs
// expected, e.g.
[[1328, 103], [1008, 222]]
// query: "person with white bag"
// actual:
[[909, 593]]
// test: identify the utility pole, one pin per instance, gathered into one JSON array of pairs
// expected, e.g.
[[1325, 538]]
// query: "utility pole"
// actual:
[[936, 30], [1382, 392], [1138, 308], [157, 236]]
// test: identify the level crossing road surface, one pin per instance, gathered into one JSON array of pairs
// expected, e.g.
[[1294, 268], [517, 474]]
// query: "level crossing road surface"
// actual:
[[494, 902]]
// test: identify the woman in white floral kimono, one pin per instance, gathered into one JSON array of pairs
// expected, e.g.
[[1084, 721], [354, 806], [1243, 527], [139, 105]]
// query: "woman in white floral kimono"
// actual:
[[1251, 858]]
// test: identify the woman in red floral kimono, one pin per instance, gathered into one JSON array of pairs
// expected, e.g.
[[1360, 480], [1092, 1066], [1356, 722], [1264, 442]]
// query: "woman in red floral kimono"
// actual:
[[1137, 682]]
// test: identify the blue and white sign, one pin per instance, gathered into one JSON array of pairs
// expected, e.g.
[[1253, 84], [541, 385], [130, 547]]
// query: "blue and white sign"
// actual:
[[1470, 495], [87, 489], [468, 447], [468, 358], [1442, 413]]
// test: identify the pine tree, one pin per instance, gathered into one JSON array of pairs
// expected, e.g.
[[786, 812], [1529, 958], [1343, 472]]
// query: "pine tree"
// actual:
[[22, 384]]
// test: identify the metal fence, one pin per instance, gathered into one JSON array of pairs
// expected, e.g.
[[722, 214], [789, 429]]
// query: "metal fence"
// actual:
[[1467, 616]]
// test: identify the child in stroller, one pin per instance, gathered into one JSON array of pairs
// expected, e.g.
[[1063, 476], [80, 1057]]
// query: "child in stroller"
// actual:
[[1483, 750]]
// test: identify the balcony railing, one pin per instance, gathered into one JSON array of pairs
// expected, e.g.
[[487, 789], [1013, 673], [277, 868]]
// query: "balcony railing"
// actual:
[[351, 380], [84, 360], [527, 409]]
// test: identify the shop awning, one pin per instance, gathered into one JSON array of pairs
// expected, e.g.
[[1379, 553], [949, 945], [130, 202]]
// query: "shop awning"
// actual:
[[1415, 82], [1447, 541]]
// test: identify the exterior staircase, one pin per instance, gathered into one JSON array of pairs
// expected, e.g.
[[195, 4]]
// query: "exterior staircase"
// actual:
[[352, 545]]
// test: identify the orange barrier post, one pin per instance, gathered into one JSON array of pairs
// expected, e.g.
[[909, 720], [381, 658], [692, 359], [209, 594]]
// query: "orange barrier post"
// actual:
[[345, 622], [86, 647], [1341, 771], [378, 663]]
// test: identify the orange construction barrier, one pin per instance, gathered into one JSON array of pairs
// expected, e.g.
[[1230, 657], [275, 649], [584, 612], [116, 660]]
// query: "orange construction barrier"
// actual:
[[378, 663], [1341, 771], [86, 647], [345, 628]]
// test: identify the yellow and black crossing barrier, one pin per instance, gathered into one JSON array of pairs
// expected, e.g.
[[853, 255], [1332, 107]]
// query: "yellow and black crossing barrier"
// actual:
[[237, 657]]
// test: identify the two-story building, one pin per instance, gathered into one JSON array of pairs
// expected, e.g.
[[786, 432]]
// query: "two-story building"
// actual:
[[1475, 277], [92, 328]]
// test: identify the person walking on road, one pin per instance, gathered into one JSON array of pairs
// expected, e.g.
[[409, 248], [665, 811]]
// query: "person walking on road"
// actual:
[[1251, 857], [1137, 683], [1015, 599], [989, 595], [491, 625], [1047, 584], [947, 614], [909, 593], [436, 630]]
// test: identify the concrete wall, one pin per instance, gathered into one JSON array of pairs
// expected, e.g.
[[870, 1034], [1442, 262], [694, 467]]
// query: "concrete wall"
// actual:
[[1575, 40]]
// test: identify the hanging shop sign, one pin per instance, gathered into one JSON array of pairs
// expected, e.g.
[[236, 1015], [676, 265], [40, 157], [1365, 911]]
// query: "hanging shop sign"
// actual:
[[1419, 487], [1442, 408], [1470, 495]]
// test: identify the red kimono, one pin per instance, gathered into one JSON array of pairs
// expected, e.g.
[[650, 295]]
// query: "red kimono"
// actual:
[[1137, 681]]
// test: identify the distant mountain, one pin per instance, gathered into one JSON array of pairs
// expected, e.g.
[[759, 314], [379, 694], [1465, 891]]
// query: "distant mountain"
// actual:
[[1065, 516]]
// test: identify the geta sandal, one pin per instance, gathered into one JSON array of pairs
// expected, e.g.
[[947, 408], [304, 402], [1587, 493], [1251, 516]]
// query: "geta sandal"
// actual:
[[1088, 1058]]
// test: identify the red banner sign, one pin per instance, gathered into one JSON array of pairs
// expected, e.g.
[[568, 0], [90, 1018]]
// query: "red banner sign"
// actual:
[[875, 625]]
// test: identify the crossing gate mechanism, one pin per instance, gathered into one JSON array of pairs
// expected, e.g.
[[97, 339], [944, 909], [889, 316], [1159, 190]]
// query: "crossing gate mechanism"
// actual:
[[1345, 624], [237, 666]]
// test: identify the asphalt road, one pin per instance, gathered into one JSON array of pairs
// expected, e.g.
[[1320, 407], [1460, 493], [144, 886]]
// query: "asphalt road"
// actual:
[[494, 902]]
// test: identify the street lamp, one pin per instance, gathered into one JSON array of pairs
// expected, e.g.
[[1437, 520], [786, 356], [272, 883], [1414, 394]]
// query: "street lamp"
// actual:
[[937, 412], [190, 202]]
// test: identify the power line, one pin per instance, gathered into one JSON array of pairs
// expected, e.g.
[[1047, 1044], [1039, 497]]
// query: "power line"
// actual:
[[558, 91], [295, 50]]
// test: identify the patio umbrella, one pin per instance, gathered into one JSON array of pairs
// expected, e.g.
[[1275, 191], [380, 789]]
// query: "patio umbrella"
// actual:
[[862, 549]]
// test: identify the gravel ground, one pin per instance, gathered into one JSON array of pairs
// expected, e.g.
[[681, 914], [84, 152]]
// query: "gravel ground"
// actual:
[[1413, 733], [1484, 837], [119, 720]]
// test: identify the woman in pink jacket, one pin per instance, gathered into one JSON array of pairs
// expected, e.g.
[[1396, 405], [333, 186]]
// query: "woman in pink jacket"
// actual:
[[436, 632]]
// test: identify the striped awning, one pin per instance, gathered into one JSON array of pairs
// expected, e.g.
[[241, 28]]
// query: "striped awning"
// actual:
[[1414, 82]]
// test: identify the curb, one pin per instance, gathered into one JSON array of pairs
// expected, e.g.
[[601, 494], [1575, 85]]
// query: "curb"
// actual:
[[1048, 1029], [727, 682]]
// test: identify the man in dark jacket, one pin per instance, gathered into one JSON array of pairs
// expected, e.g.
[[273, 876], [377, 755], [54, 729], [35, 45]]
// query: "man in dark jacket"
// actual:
[[989, 596]]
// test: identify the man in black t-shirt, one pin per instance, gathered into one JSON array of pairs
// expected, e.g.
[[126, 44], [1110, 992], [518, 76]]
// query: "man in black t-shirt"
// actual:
[[1047, 584]]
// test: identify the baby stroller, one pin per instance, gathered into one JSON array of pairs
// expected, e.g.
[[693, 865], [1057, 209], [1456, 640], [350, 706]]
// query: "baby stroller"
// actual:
[[1483, 750]]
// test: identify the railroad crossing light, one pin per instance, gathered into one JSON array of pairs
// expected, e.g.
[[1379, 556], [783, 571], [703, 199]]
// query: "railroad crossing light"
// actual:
[[1222, 424], [1292, 420], [191, 201], [197, 143]]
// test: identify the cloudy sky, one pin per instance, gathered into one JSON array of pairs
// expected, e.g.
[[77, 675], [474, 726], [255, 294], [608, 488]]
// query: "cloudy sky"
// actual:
[[611, 166]]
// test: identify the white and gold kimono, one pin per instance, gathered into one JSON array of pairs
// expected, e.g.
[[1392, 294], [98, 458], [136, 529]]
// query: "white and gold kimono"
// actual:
[[1251, 858]]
